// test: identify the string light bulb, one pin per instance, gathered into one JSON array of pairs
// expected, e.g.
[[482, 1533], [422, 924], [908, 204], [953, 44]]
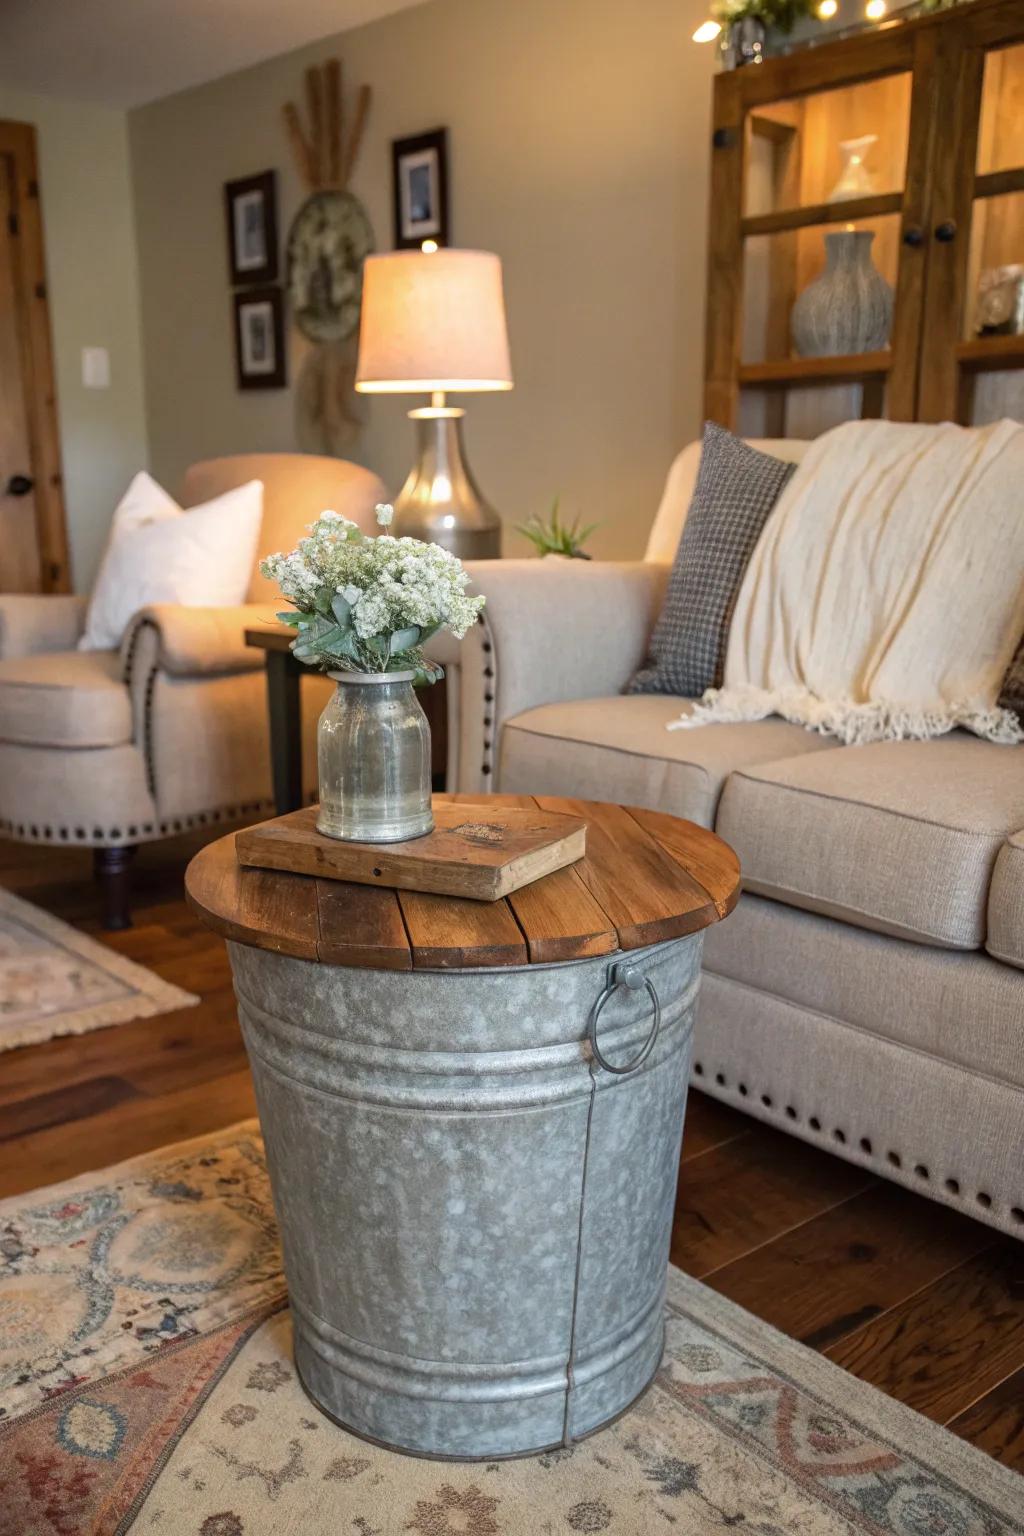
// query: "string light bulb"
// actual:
[[428, 247], [875, 10], [707, 31], [827, 9]]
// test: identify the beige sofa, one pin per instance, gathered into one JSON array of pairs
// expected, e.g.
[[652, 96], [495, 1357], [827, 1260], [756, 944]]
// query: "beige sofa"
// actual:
[[868, 993], [109, 749]]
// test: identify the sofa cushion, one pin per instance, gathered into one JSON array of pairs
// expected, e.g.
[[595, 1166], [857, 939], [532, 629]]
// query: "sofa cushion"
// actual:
[[618, 749], [1006, 903], [64, 699], [899, 836]]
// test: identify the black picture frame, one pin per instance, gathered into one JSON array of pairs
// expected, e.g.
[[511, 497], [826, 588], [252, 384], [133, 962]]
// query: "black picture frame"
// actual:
[[419, 175], [250, 207], [260, 361]]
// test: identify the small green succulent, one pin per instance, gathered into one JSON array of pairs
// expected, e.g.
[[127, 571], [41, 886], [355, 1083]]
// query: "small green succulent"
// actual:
[[553, 537]]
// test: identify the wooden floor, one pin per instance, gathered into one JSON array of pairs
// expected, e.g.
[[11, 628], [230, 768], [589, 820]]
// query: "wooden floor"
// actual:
[[926, 1304]]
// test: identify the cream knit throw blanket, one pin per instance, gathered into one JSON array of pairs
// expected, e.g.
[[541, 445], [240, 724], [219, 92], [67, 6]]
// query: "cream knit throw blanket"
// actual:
[[885, 597]]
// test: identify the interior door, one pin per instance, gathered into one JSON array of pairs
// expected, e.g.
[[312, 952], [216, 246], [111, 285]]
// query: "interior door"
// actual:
[[20, 562]]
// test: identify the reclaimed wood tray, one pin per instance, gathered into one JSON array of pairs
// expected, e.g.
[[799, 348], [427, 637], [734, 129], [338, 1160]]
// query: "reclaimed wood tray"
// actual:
[[482, 851]]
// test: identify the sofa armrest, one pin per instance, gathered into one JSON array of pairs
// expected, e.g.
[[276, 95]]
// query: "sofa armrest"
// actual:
[[552, 630], [194, 642], [33, 622]]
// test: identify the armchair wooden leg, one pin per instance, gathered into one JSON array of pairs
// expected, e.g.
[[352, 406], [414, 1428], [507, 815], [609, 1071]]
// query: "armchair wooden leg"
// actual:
[[112, 869]]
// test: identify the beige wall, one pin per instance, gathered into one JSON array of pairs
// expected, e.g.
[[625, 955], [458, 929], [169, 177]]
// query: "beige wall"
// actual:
[[92, 279], [578, 150]]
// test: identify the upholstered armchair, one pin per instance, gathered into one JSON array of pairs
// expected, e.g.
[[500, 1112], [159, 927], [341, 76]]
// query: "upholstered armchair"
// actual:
[[110, 749]]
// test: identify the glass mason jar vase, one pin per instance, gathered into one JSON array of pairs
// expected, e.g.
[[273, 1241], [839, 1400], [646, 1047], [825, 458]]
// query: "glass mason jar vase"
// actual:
[[373, 755]]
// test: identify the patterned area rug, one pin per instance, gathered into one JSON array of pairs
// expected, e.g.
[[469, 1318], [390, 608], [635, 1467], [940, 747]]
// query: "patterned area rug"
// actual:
[[147, 1385], [57, 981]]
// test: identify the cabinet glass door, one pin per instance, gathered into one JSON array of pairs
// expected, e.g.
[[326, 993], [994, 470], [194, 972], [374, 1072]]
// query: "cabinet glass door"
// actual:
[[973, 342], [830, 201]]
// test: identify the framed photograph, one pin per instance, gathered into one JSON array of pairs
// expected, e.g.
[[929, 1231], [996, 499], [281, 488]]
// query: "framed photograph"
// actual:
[[259, 339], [420, 176], [251, 207]]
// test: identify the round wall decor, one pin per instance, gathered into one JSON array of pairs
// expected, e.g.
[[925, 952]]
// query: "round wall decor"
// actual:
[[329, 240]]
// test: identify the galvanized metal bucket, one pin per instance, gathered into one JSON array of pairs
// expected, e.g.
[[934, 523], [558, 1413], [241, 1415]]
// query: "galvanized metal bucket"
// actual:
[[474, 1174]]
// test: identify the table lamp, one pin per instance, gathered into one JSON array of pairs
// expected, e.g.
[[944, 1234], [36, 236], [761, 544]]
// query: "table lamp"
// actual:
[[434, 321]]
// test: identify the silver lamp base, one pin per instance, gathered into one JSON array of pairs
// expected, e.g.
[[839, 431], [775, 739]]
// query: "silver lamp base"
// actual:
[[440, 501]]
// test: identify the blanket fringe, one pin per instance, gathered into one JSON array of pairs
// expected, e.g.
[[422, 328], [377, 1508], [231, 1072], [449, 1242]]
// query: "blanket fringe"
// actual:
[[852, 724]]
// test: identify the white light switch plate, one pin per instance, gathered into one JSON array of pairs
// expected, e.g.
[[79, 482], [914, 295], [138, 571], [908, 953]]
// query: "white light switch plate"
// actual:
[[95, 367]]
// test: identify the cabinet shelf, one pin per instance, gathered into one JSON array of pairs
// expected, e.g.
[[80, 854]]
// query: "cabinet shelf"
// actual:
[[991, 353], [817, 370], [872, 207], [999, 183]]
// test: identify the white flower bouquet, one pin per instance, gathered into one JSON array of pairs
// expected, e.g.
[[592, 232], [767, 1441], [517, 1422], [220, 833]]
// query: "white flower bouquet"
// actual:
[[369, 604]]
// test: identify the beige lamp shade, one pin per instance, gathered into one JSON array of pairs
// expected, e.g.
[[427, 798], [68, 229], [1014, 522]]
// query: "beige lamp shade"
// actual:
[[432, 321]]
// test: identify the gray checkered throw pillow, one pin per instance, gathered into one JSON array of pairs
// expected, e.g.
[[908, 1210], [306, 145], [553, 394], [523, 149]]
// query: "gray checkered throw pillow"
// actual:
[[736, 489], [1011, 694]]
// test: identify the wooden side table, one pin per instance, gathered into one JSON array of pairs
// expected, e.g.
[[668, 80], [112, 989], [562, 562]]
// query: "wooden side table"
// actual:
[[285, 712], [472, 1114], [284, 709]]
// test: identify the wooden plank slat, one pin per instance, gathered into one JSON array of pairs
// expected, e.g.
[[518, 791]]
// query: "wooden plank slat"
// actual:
[[995, 1423], [956, 1339], [641, 890], [876, 1248], [55, 1106], [126, 1130], [710, 1123], [743, 1195], [703, 856], [447, 933], [253, 906], [360, 925], [561, 920]]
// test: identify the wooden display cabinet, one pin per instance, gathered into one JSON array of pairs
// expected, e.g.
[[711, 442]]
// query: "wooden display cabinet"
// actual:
[[943, 98]]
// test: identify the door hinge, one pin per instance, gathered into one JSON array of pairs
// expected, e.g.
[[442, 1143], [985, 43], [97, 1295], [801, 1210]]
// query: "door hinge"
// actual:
[[12, 223]]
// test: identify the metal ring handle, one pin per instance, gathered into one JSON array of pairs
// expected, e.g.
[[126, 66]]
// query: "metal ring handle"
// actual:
[[624, 976]]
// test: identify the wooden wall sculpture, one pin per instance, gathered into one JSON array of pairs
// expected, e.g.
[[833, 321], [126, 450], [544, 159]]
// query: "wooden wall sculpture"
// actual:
[[329, 240]]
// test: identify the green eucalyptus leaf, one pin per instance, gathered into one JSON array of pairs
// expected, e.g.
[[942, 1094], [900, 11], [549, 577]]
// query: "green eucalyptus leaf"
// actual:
[[403, 640], [342, 610], [292, 619], [337, 641]]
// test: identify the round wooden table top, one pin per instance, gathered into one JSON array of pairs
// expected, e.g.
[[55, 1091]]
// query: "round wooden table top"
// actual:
[[646, 877]]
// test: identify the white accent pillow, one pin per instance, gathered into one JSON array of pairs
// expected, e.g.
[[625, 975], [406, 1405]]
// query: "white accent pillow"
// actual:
[[157, 553]]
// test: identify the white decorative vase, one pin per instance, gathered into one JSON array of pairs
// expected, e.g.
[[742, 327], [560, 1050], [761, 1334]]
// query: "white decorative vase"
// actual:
[[849, 307], [855, 180]]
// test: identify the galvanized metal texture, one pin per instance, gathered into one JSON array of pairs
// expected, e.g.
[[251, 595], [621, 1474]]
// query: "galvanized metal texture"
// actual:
[[475, 1216]]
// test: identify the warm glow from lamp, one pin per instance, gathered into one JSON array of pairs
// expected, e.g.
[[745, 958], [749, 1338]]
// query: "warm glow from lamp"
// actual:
[[875, 10], [707, 32], [827, 9], [431, 322]]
